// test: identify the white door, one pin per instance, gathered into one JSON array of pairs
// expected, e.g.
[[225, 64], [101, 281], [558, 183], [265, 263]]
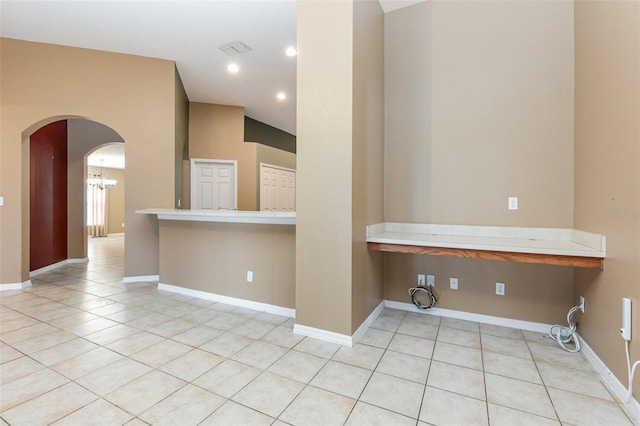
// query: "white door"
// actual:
[[213, 184], [277, 188]]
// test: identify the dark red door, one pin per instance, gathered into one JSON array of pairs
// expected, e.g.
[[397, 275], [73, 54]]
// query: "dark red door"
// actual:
[[48, 195]]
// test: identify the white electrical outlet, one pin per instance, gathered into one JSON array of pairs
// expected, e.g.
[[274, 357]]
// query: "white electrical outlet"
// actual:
[[500, 289], [249, 276], [431, 280], [625, 331], [582, 305], [513, 203], [420, 280], [453, 283]]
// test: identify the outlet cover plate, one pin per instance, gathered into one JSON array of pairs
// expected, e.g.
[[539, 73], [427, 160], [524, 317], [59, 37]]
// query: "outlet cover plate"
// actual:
[[500, 287], [453, 283]]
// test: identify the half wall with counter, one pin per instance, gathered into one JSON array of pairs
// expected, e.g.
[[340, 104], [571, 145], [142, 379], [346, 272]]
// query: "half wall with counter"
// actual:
[[208, 254]]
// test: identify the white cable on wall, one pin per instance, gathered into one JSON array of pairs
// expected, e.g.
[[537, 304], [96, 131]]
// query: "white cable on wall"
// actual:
[[631, 372], [566, 336]]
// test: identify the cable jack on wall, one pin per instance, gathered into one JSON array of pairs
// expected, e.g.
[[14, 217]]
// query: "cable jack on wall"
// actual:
[[566, 336], [415, 294]]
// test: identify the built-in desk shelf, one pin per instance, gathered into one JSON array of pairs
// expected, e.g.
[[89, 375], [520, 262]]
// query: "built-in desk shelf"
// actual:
[[549, 246]]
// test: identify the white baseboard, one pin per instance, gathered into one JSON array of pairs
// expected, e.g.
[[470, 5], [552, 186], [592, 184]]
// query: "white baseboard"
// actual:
[[15, 286], [320, 334], [611, 381], [469, 316], [365, 325], [141, 279], [54, 266], [243, 303], [343, 339]]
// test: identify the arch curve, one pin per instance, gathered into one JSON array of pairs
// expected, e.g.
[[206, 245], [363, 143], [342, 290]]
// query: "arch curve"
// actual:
[[84, 135]]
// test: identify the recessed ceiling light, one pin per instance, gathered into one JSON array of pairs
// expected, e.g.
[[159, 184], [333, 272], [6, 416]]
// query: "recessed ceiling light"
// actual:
[[233, 68], [281, 96], [291, 51]]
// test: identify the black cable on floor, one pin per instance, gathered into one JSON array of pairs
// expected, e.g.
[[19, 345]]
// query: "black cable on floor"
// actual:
[[431, 298]]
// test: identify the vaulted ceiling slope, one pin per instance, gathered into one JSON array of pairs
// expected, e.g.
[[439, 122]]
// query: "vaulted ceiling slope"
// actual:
[[189, 33]]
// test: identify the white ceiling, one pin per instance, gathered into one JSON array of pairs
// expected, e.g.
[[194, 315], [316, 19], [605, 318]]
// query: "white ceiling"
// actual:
[[189, 33], [112, 156]]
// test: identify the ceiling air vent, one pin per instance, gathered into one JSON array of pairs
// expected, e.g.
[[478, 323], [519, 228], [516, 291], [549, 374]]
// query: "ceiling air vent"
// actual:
[[235, 48]]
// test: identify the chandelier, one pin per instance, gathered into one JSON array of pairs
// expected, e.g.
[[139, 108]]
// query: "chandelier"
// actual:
[[100, 180]]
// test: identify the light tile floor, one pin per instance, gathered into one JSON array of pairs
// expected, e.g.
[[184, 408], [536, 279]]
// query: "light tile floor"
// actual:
[[81, 348]]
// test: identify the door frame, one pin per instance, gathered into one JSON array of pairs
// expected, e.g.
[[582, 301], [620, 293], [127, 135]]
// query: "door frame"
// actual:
[[233, 163]]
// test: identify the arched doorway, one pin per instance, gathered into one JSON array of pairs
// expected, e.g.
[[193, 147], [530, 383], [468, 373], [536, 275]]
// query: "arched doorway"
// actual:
[[105, 190], [65, 195]]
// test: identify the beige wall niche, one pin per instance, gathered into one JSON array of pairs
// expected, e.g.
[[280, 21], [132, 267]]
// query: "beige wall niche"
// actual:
[[479, 108], [537, 293], [407, 96], [607, 171], [134, 96]]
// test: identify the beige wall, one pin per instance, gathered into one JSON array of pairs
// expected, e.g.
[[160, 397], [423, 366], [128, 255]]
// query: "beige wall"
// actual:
[[275, 156], [539, 293], [116, 201], [182, 137], [217, 132], [215, 257], [607, 170], [83, 137], [340, 161], [133, 95], [368, 156], [407, 96], [480, 108], [116, 198], [324, 177], [501, 113]]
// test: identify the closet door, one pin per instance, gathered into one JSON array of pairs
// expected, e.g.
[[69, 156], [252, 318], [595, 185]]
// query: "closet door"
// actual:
[[48, 195]]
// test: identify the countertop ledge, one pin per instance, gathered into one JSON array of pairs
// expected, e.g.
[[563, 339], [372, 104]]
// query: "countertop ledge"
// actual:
[[557, 241], [224, 216]]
